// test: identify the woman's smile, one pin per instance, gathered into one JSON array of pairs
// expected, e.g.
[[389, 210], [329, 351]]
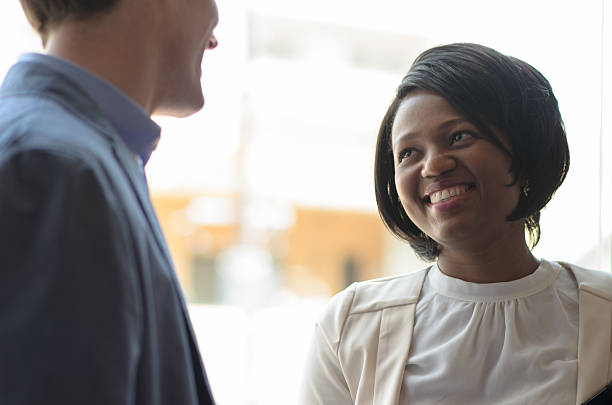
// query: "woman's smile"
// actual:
[[450, 201], [446, 194]]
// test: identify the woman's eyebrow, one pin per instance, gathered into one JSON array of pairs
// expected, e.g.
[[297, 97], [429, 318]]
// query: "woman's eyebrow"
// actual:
[[445, 125], [404, 137], [454, 121]]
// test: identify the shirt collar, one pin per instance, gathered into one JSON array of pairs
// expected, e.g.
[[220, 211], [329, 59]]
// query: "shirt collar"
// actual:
[[133, 124]]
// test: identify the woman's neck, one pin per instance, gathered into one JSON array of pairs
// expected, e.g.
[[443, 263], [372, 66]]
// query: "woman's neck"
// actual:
[[504, 259]]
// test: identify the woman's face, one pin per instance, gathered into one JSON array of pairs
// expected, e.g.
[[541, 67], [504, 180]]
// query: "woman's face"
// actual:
[[451, 181]]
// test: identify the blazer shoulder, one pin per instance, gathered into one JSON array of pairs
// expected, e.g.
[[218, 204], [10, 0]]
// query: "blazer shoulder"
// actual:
[[54, 115], [381, 293], [369, 296], [594, 281], [45, 127]]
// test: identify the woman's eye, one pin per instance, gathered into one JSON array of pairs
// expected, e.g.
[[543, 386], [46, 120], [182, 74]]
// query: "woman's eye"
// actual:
[[405, 154], [460, 136]]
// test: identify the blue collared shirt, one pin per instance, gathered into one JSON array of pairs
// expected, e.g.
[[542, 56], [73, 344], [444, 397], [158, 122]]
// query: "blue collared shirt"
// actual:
[[131, 121]]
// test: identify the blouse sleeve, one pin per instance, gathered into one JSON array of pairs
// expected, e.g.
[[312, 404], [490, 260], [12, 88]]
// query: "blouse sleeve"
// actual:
[[324, 381]]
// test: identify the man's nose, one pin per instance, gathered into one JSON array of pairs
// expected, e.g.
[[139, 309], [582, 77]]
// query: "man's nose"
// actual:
[[212, 42], [437, 164]]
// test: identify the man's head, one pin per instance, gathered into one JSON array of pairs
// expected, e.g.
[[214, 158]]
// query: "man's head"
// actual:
[[150, 49], [44, 14], [184, 33]]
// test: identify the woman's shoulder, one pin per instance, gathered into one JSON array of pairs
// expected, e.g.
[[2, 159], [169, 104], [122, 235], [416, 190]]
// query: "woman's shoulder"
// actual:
[[373, 295], [595, 281], [381, 293]]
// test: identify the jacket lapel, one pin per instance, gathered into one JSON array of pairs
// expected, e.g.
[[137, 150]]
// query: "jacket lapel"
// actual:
[[394, 342], [594, 339], [135, 174], [595, 332]]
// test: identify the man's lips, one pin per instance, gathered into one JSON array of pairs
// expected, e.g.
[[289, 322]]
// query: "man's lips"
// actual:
[[443, 193]]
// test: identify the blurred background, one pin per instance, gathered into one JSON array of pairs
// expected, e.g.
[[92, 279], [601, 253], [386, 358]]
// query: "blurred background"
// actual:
[[266, 196]]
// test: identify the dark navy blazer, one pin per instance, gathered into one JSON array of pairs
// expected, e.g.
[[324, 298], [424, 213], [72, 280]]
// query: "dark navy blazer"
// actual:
[[91, 311]]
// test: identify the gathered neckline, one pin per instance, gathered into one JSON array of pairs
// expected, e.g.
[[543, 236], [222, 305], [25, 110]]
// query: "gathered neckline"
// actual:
[[544, 275]]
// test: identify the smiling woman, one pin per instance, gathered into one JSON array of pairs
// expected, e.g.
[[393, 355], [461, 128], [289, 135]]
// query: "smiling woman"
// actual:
[[507, 102], [454, 184], [469, 152]]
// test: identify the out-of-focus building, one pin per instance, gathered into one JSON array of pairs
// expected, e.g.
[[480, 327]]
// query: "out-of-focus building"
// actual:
[[321, 252]]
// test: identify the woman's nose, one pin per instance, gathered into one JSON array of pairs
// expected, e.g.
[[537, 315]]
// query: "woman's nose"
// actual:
[[437, 164]]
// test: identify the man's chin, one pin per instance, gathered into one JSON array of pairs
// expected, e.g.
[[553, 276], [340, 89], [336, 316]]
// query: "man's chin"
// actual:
[[182, 108]]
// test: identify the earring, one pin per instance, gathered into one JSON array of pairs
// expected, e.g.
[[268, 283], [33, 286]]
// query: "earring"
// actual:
[[525, 189]]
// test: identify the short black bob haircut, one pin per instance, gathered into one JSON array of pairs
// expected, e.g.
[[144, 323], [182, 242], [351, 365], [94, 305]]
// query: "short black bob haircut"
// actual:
[[491, 90]]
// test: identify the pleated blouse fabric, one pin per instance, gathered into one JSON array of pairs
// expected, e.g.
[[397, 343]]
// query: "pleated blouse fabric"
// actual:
[[504, 343]]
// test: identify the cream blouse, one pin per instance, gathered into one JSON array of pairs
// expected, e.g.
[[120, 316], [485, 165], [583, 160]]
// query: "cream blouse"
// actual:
[[503, 343]]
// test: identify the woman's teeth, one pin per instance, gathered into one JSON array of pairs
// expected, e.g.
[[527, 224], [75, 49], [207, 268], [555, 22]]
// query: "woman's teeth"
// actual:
[[448, 193]]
